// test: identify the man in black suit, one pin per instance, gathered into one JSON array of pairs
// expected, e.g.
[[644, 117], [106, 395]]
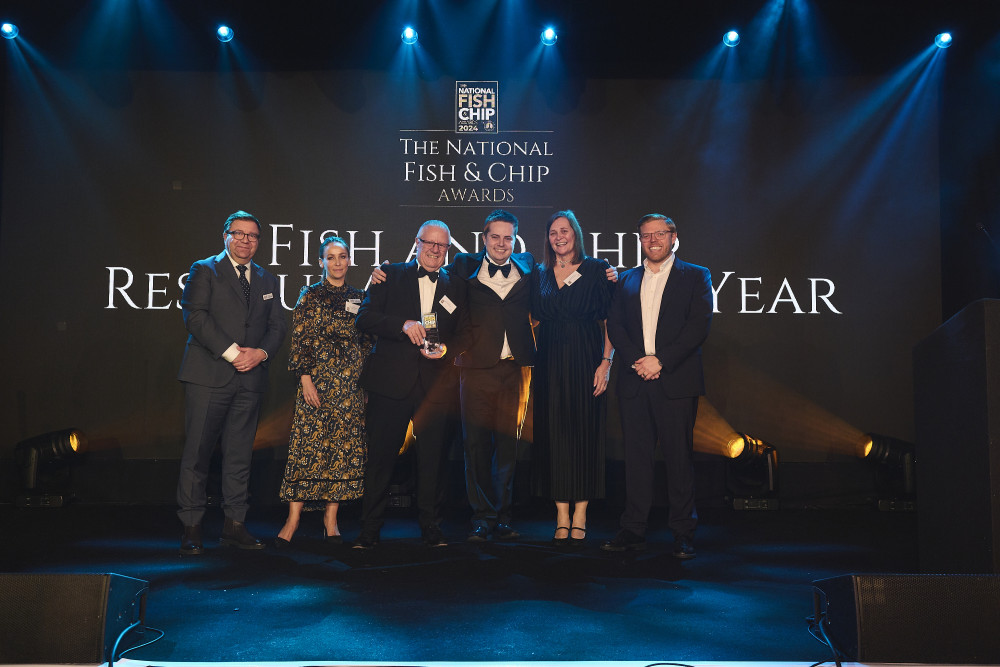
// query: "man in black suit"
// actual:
[[658, 321], [408, 379], [233, 313], [498, 344]]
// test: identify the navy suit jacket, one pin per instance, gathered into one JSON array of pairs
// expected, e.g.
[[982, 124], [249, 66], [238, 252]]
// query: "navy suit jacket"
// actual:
[[488, 316], [685, 316], [395, 364], [216, 316]]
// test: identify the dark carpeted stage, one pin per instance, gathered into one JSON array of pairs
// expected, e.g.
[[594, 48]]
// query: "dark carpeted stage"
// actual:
[[745, 597]]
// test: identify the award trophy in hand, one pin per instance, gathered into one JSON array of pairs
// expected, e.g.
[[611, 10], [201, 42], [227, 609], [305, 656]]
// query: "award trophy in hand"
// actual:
[[432, 336]]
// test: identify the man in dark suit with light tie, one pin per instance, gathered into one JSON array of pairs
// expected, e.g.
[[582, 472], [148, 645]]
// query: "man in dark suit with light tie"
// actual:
[[497, 344], [407, 379], [233, 313], [658, 321]]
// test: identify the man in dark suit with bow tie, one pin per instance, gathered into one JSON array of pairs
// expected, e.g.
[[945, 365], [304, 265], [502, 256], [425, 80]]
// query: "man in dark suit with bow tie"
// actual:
[[232, 311], [409, 379], [658, 321], [498, 344]]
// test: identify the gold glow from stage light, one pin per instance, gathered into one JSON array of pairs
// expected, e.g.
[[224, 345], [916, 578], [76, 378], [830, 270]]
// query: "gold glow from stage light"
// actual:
[[767, 406], [864, 446], [713, 434]]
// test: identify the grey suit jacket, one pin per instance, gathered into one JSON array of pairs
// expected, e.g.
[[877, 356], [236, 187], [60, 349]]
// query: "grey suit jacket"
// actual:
[[216, 316]]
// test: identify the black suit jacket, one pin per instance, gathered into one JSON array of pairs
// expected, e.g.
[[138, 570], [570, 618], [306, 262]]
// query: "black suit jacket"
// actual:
[[488, 316], [395, 364], [685, 316], [216, 316]]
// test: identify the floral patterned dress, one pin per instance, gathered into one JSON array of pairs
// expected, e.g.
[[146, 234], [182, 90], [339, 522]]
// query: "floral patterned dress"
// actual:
[[327, 451]]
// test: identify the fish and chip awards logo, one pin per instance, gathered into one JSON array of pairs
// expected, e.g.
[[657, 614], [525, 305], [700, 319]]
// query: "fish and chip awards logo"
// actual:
[[476, 104]]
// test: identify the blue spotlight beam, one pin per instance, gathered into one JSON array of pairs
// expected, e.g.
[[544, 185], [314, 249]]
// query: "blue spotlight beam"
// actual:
[[9, 30], [549, 36], [225, 33], [409, 35]]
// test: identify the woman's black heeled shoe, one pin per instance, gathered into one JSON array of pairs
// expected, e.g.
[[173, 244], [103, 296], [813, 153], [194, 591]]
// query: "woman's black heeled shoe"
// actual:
[[577, 541], [561, 540], [281, 543], [332, 539]]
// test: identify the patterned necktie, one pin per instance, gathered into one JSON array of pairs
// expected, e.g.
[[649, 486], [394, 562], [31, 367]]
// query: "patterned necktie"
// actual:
[[505, 269], [244, 283]]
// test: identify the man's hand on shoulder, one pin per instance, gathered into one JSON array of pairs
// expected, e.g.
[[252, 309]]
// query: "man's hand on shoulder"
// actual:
[[612, 273], [378, 275]]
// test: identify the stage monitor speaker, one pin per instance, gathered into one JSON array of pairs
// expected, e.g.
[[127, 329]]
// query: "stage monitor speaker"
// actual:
[[66, 618], [920, 618]]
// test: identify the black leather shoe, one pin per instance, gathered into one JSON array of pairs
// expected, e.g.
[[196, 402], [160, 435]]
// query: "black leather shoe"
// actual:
[[191, 541], [235, 534], [366, 541], [503, 531], [433, 537], [625, 540], [282, 543], [684, 548], [332, 539], [478, 534]]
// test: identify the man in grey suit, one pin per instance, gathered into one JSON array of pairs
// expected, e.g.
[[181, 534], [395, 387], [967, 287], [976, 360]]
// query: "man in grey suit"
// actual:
[[233, 313]]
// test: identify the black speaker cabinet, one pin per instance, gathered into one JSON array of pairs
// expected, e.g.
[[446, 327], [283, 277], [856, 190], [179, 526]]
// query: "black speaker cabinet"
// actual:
[[66, 618], [922, 618], [956, 379]]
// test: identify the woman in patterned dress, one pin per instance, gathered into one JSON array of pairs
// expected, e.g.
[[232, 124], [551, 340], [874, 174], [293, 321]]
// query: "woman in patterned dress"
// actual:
[[326, 451]]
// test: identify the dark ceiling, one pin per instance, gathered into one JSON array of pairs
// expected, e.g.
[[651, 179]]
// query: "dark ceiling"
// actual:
[[612, 38]]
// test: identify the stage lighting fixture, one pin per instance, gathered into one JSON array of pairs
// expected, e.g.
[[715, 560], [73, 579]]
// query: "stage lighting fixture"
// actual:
[[752, 473], [731, 38], [549, 36], [45, 450], [409, 35], [943, 41], [225, 33], [895, 473], [9, 30]]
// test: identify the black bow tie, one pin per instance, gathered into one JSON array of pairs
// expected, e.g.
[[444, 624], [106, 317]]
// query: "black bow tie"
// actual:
[[505, 269], [421, 272]]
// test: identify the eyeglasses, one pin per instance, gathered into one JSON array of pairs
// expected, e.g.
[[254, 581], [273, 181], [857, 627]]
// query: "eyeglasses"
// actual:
[[658, 235], [238, 234], [434, 245]]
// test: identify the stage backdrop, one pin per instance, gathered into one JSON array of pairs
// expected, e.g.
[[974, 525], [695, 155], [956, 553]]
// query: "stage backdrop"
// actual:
[[816, 210]]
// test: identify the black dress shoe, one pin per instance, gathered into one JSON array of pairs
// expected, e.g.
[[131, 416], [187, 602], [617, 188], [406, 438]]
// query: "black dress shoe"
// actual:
[[191, 541], [235, 534], [503, 531], [478, 534], [625, 540], [684, 548], [560, 541], [577, 541], [332, 539], [366, 541], [433, 537], [281, 543]]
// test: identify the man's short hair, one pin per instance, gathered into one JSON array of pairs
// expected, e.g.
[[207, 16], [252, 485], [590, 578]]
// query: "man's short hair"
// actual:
[[656, 216], [434, 223], [240, 215], [500, 215]]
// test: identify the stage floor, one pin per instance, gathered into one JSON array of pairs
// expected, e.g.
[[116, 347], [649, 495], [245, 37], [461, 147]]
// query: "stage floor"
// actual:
[[744, 599]]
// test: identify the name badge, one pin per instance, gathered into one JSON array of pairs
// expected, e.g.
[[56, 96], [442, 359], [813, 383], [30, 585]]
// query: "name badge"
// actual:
[[352, 306], [268, 296], [571, 278], [447, 304]]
